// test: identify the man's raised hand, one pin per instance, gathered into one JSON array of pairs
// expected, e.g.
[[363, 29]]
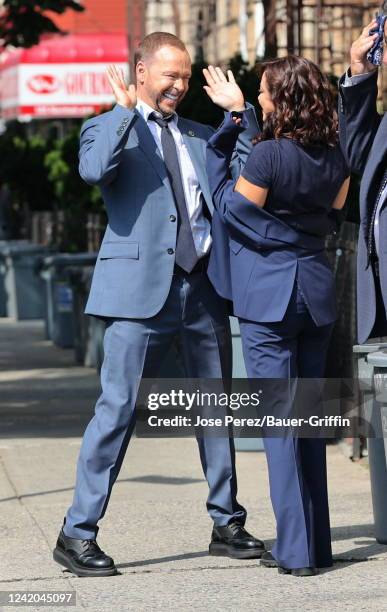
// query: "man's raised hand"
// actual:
[[359, 50], [222, 91], [124, 95]]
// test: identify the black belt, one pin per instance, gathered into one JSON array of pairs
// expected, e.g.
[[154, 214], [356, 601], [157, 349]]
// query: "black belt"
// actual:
[[200, 266]]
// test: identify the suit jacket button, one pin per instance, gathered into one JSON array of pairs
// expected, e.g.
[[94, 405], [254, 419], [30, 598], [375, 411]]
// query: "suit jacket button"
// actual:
[[172, 218], [170, 251]]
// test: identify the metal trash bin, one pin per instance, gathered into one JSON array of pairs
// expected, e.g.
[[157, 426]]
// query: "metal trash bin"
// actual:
[[94, 347], [88, 330], [56, 271], [80, 279], [377, 446], [341, 249], [24, 287], [365, 400], [3, 294]]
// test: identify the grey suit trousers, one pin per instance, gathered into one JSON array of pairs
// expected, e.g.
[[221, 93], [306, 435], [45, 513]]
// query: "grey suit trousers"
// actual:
[[135, 348]]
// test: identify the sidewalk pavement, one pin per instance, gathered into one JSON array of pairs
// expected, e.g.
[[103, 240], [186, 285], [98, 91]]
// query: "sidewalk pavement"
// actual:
[[156, 527]]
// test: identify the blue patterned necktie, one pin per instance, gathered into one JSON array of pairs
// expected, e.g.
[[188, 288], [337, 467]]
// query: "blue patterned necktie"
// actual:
[[186, 256]]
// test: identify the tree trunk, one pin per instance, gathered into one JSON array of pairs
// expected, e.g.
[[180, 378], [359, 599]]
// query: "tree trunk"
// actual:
[[269, 8]]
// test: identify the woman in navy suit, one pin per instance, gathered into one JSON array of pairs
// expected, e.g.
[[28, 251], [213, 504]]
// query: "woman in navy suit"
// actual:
[[276, 215]]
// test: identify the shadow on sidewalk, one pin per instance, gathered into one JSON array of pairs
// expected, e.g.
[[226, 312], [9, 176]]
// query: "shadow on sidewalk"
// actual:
[[341, 561], [157, 560]]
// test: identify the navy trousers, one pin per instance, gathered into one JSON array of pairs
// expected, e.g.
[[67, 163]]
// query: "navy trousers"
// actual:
[[135, 348], [294, 347]]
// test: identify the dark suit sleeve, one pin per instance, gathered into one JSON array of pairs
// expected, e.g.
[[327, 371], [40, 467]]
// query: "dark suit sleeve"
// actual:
[[221, 149], [358, 120], [244, 220], [102, 142], [244, 143]]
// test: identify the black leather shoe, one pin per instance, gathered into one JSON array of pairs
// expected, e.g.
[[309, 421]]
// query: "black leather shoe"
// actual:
[[267, 560], [234, 541], [83, 557]]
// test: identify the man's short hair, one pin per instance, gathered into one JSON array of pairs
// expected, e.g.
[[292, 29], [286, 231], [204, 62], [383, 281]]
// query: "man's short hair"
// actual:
[[153, 42]]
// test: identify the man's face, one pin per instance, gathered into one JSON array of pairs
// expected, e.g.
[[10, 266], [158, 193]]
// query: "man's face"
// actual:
[[162, 80]]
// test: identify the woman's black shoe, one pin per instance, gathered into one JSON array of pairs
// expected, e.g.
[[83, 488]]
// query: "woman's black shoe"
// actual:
[[267, 560]]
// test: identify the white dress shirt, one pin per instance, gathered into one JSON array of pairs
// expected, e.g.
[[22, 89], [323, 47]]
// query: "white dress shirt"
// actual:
[[200, 225], [356, 78]]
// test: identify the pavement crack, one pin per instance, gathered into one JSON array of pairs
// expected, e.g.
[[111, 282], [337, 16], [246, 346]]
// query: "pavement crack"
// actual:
[[34, 579], [31, 516], [19, 498]]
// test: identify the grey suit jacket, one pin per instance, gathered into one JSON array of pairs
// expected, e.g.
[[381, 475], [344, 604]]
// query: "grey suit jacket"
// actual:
[[134, 268]]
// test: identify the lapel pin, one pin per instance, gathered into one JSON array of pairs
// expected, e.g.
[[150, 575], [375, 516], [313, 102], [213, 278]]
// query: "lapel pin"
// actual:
[[191, 133]]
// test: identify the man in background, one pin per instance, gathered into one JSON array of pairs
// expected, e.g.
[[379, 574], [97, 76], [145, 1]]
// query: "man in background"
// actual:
[[363, 134]]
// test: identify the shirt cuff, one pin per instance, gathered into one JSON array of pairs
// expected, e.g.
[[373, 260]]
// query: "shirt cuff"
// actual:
[[241, 115], [349, 81]]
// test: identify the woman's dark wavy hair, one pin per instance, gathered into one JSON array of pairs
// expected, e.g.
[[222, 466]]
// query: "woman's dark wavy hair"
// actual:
[[304, 107]]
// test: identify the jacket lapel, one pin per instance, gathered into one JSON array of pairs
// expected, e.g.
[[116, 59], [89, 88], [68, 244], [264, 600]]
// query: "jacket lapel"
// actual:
[[375, 160], [147, 144], [196, 149]]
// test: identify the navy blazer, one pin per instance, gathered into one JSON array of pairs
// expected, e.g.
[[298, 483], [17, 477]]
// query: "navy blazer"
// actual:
[[363, 134], [256, 257]]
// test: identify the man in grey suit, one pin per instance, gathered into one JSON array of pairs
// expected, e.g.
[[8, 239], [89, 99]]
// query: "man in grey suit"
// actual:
[[363, 134], [151, 286]]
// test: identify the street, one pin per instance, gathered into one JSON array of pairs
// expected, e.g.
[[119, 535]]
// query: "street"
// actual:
[[156, 527]]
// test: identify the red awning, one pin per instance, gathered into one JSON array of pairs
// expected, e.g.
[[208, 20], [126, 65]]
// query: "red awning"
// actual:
[[107, 48], [63, 76]]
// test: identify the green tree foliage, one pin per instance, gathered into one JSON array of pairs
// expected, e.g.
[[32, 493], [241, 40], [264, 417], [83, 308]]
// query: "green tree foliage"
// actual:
[[42, 174], [23, 22], [71, 194], [61, 164], [22, 169]]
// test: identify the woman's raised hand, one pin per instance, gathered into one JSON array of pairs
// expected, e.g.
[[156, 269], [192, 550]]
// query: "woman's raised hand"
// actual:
[[124, 95], [223, 90]]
